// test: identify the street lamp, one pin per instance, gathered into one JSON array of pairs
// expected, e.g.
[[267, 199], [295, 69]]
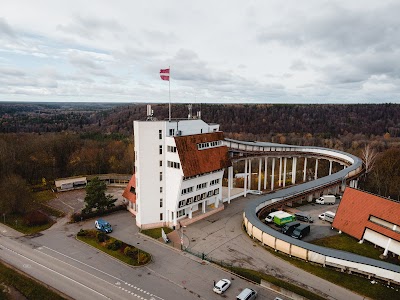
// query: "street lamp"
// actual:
[[182, 236]]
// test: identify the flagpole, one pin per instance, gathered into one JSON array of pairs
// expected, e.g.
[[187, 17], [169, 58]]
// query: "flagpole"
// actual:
[[169, 92]]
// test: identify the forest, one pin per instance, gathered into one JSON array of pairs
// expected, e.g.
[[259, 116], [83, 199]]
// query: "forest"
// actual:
[[40, 142]]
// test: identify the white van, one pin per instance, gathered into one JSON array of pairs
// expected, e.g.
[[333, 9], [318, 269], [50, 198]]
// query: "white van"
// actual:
[[271, 216], [247, 294]]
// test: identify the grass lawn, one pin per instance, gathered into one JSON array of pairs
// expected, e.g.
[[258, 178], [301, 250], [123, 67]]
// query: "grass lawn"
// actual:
[[30, 288], [155, 233], [354, 283], [42, 198], [118, 254], [347, 243], [257, 276], [17, 222]]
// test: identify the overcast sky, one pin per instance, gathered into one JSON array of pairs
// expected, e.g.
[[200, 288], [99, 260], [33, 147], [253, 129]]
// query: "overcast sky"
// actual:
[[219, 51]]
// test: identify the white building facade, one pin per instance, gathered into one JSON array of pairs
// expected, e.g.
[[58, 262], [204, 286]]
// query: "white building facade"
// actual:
[[179, 166]]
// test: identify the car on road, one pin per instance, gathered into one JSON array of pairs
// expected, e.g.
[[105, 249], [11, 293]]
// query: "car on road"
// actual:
[[221, 286], [247, 294], [255, 192], [103, 226]]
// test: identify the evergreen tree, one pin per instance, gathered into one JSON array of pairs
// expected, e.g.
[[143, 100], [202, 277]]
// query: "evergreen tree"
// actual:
[[96, 197]]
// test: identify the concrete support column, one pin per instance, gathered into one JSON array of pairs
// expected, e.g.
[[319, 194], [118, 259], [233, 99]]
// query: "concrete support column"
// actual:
[[330, 167], [259, 173], [230, 181], [249, 183], [245, 177], [273, 174], [265, 172], [203, 206], [316, 169], [294, 168], [284, 171], [344, 166], [385, 253], [190, 213], [280, 172], [305, 170]]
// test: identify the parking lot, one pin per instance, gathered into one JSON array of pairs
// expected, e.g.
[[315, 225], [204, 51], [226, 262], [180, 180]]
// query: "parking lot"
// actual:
[[74, 201], [319, 229]]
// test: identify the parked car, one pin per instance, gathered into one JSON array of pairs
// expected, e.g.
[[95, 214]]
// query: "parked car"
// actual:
[[289, 227], [270, 216], [255, 192], [247, 294], [282, 219], [326, 199], [103, 226], [327, 216], [221, 286], [301, 231], [301, 216]]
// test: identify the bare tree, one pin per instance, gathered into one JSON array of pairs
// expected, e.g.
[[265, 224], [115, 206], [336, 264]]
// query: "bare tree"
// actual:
[[368, 156]]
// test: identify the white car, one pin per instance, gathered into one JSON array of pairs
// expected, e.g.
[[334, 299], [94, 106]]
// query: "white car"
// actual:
[[255, 192], [221, 286], [322, 216]]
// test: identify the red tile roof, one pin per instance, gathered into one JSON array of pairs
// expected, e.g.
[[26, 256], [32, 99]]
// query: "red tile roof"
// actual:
[[194, 161], [352, 216], [127, 192]]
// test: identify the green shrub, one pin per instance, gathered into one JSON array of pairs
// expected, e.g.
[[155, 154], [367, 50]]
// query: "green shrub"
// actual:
[[101, 237], [82, 232], [114, 245], [35, 218]]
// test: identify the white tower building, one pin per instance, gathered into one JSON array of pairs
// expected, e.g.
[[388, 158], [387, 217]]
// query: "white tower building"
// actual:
[[179, 166]]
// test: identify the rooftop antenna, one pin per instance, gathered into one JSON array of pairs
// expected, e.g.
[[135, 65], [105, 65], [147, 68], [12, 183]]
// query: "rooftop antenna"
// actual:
[[150, 113], [190, 111]]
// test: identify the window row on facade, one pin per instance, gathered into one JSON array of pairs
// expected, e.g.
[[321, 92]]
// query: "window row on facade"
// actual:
[[199, 186], [172, 164], [209, 145], [171, 149], [197, 198]]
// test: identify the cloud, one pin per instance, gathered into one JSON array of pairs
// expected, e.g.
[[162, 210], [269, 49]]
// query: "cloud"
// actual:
[[5, 29], [90, 28], [91, 62]]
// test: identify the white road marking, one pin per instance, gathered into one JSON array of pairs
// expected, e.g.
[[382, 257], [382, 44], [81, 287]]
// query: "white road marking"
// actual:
[[43, 266], [98, 271]]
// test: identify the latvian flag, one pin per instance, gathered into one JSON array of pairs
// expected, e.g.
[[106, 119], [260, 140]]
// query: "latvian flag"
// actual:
[[164, 74]]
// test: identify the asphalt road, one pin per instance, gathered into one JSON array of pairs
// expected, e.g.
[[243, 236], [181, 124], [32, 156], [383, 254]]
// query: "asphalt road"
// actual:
[[221, 237], [82, 272]]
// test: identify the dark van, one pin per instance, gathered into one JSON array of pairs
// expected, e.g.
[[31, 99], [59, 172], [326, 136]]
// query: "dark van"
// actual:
[[289, 227], [301, 216], [301, 231]]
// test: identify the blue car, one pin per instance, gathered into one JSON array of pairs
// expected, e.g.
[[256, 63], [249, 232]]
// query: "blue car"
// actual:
[[103, 226]]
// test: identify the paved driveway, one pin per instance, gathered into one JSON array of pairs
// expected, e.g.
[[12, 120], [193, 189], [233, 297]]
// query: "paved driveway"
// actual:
[[74, 201], [221, 237]]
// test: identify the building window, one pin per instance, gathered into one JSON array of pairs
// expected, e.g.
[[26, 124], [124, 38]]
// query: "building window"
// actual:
[[189, 200], [210, 193], [171, 149], [160, 176], [187, 190], [207, 145], [160, 163], [160, 189], [182, 203], [214, 182], [160, 149], [161, 216], [196, 198], [172, 164], [180, 213], [161, 202], [216, 191], [203, 196], [201, 186], [160, 134], [171, 132]]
